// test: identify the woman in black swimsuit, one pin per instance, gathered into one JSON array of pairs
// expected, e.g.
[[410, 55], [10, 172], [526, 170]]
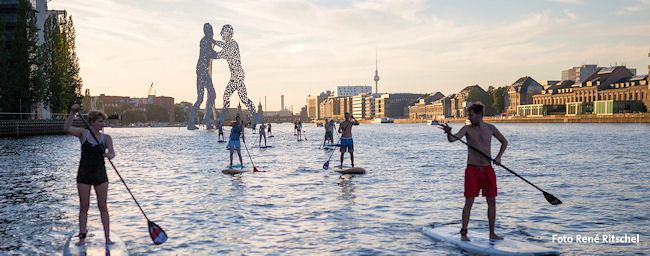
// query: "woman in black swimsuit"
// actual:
[[92, 172]]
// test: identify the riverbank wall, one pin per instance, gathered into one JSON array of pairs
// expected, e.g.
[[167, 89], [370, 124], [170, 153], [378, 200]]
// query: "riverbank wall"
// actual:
[[24, 128]]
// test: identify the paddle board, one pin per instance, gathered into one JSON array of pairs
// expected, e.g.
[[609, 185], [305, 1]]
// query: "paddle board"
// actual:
[[328, 148], [333, 145], [95, 244], [480, 242], [352, 170], [235, 169], [221, 141], [271, 136], [269, 146]]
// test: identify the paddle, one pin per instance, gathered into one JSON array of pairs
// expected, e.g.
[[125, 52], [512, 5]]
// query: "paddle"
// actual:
[[157, 234], [550, 198], [249, 157], [322, 144], [326, 165]]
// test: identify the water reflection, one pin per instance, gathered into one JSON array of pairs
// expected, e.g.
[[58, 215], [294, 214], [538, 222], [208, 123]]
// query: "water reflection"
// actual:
[[347, 188], [295, 207]]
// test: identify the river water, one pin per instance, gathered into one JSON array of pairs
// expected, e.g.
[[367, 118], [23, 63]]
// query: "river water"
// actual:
[[415, 177]]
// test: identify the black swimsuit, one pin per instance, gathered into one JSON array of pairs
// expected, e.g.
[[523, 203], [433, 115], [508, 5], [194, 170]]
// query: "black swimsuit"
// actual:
[[92, 170]]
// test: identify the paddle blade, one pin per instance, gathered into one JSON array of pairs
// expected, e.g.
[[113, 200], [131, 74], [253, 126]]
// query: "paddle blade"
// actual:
[[326, 165], [552, 199], [157, 234], [255, 169]]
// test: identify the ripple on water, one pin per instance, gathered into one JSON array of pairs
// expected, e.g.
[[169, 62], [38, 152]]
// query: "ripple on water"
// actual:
[[295, 207]]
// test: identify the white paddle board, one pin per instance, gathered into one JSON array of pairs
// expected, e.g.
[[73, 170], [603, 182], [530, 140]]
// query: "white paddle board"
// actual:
[[352, 170], [480, 242], [95, 244]]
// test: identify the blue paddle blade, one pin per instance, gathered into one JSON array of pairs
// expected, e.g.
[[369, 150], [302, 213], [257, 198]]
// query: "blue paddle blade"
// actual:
[[157, 234], [326, 165]]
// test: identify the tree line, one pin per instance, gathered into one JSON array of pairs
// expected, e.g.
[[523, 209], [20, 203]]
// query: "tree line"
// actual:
[[31, 73]]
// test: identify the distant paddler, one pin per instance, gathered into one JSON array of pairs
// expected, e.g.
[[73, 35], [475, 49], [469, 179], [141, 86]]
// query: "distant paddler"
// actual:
[[262, 133], [295, 127], [479, 174], [299, 129], [220, 137], [328, 132], [92, 171], [347, 144], [236, 132], [332, 126]]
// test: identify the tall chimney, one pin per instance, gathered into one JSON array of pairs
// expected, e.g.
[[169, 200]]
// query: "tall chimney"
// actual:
[[281, 102]]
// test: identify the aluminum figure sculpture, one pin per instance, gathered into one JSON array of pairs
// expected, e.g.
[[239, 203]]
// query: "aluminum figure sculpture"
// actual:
[[204, 78], [230, 52]]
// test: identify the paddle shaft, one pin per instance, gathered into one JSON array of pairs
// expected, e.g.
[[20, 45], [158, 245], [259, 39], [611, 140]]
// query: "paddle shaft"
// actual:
[[249, 155], [328, 159], [109, 160], [499, 164]]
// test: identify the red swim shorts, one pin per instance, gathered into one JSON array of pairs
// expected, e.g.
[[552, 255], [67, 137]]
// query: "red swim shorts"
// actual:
[[480, 177]]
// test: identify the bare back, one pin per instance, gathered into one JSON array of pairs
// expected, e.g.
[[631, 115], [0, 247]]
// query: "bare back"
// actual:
[[346, 128]]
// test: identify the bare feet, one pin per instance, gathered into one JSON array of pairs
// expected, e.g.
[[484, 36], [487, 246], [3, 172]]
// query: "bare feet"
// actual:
[[82, 239], [495, 237], [463, 235], [81, 242]]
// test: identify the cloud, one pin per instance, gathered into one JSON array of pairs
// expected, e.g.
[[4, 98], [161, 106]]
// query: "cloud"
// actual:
[[567, 1], [641, 5]]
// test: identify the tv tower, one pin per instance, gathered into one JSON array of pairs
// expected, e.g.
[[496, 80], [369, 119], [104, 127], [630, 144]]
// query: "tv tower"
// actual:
[[376, 74]]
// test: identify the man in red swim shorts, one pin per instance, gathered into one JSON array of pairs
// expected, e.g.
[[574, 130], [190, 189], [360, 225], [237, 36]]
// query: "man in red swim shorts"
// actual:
[[479, 174]]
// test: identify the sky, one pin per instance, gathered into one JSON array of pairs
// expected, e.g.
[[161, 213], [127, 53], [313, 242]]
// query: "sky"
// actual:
[[298, 48]]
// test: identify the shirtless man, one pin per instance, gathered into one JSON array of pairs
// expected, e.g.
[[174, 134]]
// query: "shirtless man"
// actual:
[[345, 128], [479, 174]]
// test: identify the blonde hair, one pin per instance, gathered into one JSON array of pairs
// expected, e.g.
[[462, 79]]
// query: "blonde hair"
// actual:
[[95, 114]]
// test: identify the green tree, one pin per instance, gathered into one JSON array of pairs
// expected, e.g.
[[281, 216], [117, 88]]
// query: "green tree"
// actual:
[[132, 116], [498, 98], [180, 115], [479, 95], [24, 86], [72, 92], [119, 109], [157, 113], [4, 62], [60, 63]]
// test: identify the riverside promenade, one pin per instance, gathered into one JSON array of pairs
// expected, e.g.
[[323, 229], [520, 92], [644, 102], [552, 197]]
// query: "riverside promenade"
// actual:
[[585, 118]]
